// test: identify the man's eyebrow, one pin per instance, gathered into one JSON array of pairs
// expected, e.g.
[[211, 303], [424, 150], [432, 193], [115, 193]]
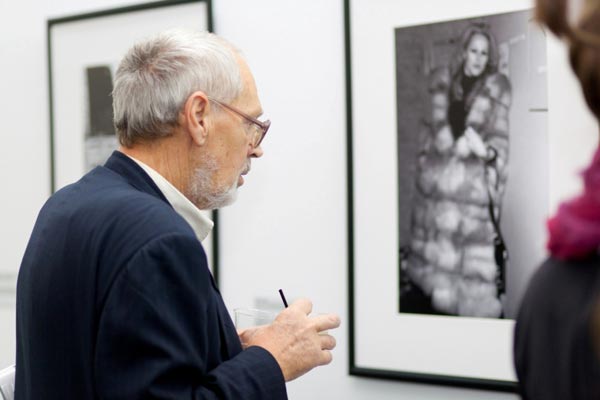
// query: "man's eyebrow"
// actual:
[[257, 114]]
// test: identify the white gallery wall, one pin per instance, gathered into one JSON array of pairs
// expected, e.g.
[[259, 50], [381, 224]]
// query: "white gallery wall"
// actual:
[[288, 229]]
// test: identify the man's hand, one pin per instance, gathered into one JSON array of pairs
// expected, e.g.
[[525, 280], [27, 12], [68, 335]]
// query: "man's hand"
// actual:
[[298, 342]]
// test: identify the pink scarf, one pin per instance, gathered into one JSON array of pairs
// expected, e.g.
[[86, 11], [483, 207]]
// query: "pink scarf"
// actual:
[[575, 229]]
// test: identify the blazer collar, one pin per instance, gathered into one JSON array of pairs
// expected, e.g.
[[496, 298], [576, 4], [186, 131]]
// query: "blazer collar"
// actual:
[[133, 174]]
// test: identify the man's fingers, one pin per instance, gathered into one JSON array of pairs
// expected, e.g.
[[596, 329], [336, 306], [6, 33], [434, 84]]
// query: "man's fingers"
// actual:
[[328, 342], [326, 357], [303, 305], [326, 321]]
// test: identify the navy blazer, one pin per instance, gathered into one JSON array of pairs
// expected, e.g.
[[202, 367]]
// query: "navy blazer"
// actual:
[[115, 301]]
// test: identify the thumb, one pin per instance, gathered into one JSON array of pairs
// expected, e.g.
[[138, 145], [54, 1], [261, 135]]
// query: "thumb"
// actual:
[[246, 334]]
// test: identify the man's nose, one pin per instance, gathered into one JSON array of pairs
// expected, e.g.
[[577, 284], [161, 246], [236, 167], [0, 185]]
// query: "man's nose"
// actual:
[[256, 152]]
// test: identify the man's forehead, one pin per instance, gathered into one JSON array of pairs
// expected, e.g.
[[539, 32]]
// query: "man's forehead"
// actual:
[[249, 96]]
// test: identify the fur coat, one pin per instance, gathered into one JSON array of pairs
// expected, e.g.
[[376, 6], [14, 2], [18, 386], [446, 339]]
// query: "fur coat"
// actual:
[[452, 251]]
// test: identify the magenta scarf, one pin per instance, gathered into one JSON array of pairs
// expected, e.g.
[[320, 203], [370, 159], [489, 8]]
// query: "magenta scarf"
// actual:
[[575, 229]]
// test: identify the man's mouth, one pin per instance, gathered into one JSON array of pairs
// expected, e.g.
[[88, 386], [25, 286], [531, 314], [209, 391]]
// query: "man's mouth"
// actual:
[[247, 169], [244, 172]]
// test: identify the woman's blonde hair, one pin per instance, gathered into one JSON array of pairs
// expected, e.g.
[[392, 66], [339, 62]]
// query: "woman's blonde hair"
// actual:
[[464, 41], [458, 59]]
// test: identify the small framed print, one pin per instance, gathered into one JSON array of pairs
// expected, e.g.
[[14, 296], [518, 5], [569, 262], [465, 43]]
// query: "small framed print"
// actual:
[[83, 54]]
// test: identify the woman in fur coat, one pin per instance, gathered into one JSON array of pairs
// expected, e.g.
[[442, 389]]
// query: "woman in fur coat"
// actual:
[[461, 165]]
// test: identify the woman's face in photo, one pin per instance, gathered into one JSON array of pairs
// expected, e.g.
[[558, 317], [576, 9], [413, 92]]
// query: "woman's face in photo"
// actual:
[[476, 55]]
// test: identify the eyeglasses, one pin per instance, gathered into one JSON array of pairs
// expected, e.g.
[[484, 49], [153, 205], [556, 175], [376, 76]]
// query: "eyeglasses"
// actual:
[[261, 127]]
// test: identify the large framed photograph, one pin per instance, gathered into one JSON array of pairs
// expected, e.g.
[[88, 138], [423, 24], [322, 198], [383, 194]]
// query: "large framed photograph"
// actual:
[[448, 189], [83, 55]]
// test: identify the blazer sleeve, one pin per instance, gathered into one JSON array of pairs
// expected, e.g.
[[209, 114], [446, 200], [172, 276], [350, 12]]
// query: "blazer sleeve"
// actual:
[[160, 336]]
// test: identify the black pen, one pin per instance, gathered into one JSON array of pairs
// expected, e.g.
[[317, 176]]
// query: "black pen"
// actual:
[[283, 298]]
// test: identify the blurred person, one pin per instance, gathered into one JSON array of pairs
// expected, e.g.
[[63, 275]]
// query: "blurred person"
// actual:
[[115, 299], [554, 350], [596, 327], [451, 264]]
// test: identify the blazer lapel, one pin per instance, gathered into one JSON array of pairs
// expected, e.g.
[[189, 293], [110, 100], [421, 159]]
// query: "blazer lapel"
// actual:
[[138, 178]]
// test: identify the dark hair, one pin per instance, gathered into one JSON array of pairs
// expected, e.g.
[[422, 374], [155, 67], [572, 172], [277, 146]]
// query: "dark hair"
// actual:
[[584, 43]]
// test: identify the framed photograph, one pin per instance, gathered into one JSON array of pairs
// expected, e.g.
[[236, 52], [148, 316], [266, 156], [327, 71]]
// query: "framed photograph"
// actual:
[[83, 55], [448, 185]]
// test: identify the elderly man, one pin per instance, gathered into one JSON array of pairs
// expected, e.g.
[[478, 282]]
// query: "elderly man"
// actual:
[[114, 298]]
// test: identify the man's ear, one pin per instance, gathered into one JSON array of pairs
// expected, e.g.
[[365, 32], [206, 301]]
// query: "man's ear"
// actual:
[[195, 117]]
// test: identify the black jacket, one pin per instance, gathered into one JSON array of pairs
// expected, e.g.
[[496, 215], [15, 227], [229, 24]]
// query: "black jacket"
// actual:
[[555, 356], [115, 301]]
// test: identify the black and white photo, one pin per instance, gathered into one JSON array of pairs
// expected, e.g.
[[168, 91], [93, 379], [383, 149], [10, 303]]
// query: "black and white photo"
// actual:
[[463, 93], [448, 185]]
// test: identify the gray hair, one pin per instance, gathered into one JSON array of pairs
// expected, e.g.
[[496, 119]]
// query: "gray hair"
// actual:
[[157, 76]]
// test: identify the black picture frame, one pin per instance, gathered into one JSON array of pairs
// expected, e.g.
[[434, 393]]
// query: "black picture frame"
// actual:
[[367, 25], [82, 51]]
